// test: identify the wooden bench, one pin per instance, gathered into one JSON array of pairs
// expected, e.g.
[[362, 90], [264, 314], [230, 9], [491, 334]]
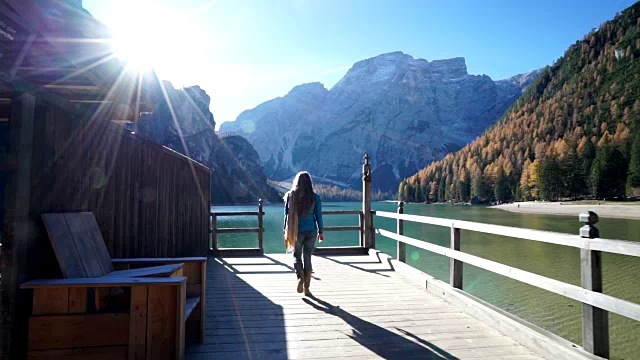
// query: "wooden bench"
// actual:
[[139, 312]]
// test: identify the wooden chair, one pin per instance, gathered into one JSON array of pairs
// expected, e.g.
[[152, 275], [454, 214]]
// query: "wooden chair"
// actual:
[[141, 312]]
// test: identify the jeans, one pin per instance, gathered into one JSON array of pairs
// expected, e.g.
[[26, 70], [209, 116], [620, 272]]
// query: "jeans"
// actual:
[[305, 244]]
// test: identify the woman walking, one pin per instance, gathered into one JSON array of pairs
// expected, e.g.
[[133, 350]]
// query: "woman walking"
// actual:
[[302, 221]]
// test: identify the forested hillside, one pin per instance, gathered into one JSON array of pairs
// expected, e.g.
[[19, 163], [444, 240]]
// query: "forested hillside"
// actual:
[[575, 132]]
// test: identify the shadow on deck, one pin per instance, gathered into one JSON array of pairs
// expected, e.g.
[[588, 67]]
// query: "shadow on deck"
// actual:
[[360, 309]]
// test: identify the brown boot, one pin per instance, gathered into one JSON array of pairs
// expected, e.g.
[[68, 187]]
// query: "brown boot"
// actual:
[[300, 274], [307, 282]]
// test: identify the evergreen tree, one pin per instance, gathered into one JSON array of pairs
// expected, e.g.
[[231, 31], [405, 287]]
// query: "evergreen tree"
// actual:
[[501, 186], [447, 190], [426, 191], [633, 181], [402, 195], [465, 187], [417, 193], [478, 186], [609, 172], [550, 179], [441, 189], [410, 192], [588, 154], [573, 176]]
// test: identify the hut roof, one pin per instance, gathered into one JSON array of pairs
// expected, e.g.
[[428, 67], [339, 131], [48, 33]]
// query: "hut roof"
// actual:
[[57, 49]]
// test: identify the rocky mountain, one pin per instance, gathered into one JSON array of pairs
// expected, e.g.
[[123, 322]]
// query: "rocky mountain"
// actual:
[[236, 173], [574, 133], [404, 112], [524, 80]]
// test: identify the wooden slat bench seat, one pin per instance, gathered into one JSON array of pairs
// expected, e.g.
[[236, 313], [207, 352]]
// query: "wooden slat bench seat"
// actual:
[[144, 306], [158, 271], [190, 305]]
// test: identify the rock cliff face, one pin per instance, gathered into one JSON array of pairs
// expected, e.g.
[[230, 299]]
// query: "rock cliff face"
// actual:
[[524, 80], [404, 112], [236, 172]]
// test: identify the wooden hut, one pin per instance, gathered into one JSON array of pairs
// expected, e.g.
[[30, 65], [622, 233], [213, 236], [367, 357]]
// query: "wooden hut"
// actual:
[[63, 97]]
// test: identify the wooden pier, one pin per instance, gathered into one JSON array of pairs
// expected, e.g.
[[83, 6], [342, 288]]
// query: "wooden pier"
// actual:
[[360, 309], [367, 304]]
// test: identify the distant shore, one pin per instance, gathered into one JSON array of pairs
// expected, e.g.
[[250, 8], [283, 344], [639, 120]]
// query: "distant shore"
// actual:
[[616, 211]]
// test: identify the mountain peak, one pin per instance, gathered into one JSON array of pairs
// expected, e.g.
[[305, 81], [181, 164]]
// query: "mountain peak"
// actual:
[[524, 80], [451, 68], [383, 66], [398, 55], [313, 87]]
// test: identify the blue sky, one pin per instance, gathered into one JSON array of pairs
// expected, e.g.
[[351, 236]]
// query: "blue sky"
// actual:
[[246, 52]]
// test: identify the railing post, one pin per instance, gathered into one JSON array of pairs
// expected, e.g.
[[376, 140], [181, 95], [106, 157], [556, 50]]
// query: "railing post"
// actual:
[[361, 231], [214, 233], [595, 321], [455, 266], [260, 228], [369, 239], [402, 247]]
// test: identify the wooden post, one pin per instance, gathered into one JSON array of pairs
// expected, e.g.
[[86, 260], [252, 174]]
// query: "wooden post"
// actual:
[[402, 247], [214, 233], [369, 239], [260, 228], [361, 231], [21, 239], [595, 321], [455, 266]]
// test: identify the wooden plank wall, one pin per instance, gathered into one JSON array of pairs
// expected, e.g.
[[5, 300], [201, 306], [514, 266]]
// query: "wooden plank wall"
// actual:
[[148, 200]]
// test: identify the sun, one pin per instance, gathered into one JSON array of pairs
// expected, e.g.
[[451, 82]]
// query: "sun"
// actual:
[[156, 38]]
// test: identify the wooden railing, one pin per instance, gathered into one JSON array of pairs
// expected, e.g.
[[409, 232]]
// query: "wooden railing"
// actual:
[[344, 249], [596, 305], [215, 230]]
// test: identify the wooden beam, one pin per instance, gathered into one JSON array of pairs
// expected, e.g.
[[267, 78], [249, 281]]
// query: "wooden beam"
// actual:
[[369, 235], [78, 331], [236, 230], [342, 228], [103, 282], [138, 323], [340, 250], [19, 236], [71, 87], [595, 321], [35, 69], [239, 252], [236, 213], [260, 226], [455, 266], [214, 236], [341, 212], [401, 250]]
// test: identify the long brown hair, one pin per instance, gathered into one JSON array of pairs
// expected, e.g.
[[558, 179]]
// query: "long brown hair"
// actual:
[[302, 193]]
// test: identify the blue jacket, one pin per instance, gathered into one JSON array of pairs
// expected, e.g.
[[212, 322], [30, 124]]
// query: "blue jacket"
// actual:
[[309, 222]]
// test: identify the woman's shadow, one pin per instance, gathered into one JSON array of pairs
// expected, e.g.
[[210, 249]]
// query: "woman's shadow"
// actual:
[[385, 343]]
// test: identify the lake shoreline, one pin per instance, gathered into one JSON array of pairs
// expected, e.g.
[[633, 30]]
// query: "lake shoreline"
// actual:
[[629, 212]]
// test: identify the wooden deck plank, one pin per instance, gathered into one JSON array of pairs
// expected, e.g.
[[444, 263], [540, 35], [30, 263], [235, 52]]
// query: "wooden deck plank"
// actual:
[[361, 309]]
